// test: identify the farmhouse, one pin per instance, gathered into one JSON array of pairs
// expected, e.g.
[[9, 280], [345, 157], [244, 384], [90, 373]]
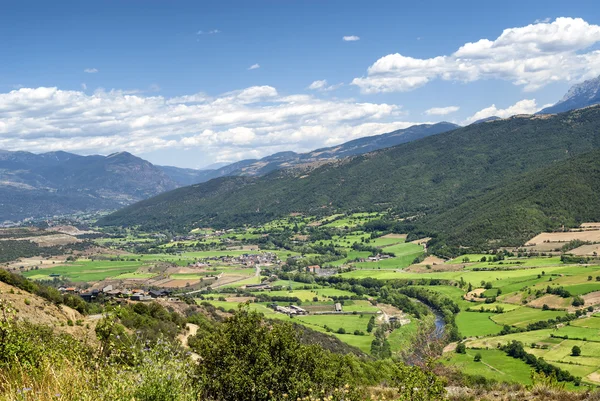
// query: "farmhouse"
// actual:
[[298, 310], [283, 309], [313, 268]]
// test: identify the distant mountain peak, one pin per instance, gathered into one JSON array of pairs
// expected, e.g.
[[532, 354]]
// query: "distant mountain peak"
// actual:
[[578, 96], [586, 90]]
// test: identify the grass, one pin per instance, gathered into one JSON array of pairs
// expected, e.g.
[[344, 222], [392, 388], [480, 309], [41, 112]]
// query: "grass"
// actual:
[[402, 337], [134, 275], [86, 271], [308, 295], [473, 324], [495, 364], [520, 262], [582, 289], [521, 317], [470, 276], [492, 307], [591, 322]]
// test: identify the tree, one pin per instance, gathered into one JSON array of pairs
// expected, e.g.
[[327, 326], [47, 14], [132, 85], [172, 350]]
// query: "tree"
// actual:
[[575, 351], [470, 287], [371, 324], [461, 348], [477, 357], [246, 357], [417, 384], [488, 285]]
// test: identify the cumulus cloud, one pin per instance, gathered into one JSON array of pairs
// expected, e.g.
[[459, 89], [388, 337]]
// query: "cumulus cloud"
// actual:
[[441, 111], [91, 70], [525, 106], [352, 38], [251, 122], [321, 85], [254, 66], [530, 56]]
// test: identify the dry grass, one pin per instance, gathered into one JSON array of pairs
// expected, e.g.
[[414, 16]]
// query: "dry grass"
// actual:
[[589, 236]]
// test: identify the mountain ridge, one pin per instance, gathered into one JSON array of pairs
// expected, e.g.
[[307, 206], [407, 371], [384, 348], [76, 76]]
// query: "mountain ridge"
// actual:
[[423, 177], [46, 184]]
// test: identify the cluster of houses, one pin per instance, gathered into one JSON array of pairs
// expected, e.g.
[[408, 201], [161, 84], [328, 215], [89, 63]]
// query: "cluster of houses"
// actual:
[[289, 310], [109, 292], [247, 259], [376, 258], [296, 310]]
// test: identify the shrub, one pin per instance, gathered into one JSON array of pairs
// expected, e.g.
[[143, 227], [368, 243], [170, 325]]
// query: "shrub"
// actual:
[[477, 357], [575, 351]]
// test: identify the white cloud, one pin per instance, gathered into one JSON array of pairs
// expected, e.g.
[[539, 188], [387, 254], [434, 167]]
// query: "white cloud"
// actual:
[[211, 32], [543, 20], [352, 38], [83, 86], [91, 70], [251, 122], [321, 85], [316, 85], [531, 56], [441, 111], [254, 66], [525, 106]]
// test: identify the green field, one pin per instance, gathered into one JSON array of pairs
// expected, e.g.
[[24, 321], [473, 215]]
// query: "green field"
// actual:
[[495, 364], [521, 317], [85, 271], [472, 324], [492, 307], [307, 295], [469, 276]]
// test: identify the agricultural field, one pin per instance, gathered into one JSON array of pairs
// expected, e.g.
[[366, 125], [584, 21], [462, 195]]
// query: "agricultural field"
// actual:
[[85, 270], [489, 293], [494, 364], [343, 326], [474, 324]]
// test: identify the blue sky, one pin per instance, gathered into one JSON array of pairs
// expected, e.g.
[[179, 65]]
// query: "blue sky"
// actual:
[[145, 59]]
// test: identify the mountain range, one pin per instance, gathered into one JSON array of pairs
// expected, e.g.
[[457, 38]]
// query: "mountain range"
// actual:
[[56, 183], [283, 160], [430, 178]]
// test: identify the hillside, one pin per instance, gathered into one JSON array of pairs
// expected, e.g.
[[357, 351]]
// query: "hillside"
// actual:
[[565, 193], [37, 310], [59, 183], [424, 176]]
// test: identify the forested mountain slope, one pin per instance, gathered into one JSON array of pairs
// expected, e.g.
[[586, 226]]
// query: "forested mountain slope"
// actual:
[[423, 177], [565, 193]]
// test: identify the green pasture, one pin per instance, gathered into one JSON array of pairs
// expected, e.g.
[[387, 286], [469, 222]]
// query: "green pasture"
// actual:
[[84, 271], [523, 316], [473, 324], [495, 364]]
